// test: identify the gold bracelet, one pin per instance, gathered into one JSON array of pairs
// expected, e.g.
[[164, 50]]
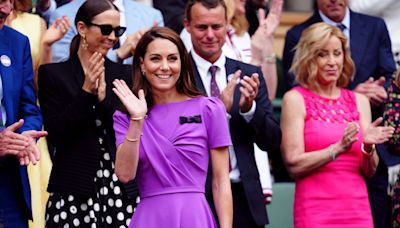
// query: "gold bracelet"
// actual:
[[371, 153], [133, 140], [138, 118]]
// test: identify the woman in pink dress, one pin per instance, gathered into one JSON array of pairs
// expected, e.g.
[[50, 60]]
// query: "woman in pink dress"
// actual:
[[168, 151], [328, 140]]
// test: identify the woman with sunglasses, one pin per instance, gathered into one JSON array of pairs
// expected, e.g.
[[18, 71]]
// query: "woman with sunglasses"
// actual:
[[77, 103]]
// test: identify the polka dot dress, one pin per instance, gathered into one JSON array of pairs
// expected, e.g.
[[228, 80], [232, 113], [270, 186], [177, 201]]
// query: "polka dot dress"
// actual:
[[109, 207]]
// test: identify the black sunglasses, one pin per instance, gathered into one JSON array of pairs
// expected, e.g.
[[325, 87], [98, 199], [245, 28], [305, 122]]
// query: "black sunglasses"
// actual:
[[107, 29]]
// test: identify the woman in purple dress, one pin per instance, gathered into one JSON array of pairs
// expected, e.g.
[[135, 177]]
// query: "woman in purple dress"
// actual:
[[166, 137]]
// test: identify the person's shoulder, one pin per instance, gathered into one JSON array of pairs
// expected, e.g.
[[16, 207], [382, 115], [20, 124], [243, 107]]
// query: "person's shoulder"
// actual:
[[241, 65], [13, 34], [361, 98], [54, 67], [139, 7], [298, 29], [368, 19], [210, 104], [295, 94]]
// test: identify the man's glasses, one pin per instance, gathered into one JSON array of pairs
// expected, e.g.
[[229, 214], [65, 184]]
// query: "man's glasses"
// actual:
[[107, 29]]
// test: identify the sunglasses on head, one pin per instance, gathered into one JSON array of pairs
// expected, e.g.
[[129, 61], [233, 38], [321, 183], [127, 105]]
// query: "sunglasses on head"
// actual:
[[107, 29]]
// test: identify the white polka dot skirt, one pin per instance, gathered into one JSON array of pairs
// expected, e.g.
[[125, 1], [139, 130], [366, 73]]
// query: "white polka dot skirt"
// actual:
[[109, 207]]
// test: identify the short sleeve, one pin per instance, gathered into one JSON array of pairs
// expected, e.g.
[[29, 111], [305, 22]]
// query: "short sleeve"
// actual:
[[121, 124], [216, 124]]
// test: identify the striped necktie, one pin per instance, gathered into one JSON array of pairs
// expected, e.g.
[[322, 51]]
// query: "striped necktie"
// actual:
[[341, 26]]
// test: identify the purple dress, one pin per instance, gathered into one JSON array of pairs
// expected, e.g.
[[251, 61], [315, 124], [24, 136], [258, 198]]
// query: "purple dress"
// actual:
[[173, 161]]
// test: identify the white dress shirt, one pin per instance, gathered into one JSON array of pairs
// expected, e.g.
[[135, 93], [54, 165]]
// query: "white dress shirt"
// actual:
[[345, 22]]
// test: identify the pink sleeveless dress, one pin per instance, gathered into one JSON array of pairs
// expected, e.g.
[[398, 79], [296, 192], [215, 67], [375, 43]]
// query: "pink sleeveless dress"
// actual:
[[334, 195]]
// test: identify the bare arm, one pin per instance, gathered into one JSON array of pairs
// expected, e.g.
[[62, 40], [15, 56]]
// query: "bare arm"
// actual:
[[127, 158], [221, 186]]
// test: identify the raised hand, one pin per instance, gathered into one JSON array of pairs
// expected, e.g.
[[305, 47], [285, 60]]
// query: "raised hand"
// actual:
[[129, 46], [56, 31], [249, 91], [376, 134], [262, 45], [136, 106], [272, 21], [226, 95], [94, 73]]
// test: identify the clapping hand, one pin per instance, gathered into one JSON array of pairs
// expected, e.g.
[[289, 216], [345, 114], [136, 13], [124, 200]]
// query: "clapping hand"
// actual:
[[94, 76], [376, 134], [226, 95], [349, 136], [374, 90], [21, 145], [31, 152], [249, 91], [135, 105]]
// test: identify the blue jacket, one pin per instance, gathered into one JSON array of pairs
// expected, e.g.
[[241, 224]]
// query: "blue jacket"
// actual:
[[19, 98]]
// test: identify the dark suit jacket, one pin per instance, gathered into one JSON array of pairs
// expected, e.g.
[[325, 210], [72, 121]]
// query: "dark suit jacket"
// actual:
[[19, 100], [370, 50], [262, 129], [70, 116], [369, 44]]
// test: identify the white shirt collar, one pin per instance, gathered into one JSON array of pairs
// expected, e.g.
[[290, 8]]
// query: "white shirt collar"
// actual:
[[345, 21], [204, 65]]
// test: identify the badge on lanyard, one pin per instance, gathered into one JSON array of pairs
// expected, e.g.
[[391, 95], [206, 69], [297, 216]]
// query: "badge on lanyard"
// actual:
[[5, 60]]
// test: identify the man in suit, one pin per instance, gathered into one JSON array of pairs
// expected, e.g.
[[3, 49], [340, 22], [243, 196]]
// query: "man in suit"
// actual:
[[371, 51], [248, 108], [136, 17], [20, 124]]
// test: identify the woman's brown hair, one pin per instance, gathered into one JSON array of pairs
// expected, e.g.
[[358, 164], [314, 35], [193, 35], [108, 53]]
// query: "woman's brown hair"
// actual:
[[186, 82]]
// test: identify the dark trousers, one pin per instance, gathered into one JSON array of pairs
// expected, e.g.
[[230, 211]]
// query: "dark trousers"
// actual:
[[242, 217], [378, 197], [12, 207]]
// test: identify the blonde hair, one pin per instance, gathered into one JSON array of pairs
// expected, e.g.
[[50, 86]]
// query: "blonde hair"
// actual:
[[239, 22], [312, 40]]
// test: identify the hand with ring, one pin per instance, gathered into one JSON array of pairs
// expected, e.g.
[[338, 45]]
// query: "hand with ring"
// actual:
[[349, 136], [249, 89]]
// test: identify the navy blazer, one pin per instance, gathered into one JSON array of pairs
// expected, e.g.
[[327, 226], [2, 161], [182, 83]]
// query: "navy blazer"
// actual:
[[262, 130], [369, 44], [19, 98]]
